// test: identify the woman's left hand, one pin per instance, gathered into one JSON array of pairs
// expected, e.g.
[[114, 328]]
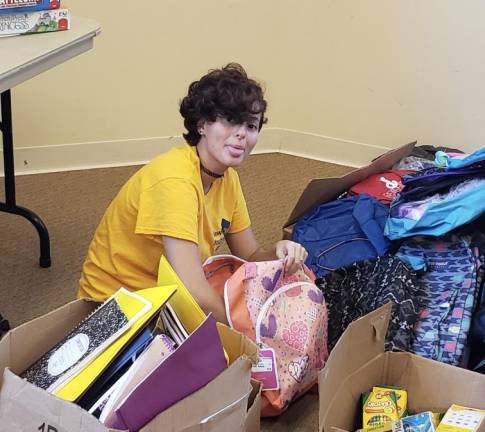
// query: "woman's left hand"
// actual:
[[293, 253]]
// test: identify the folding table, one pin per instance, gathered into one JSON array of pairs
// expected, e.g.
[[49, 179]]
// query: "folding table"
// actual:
[[21, 58]]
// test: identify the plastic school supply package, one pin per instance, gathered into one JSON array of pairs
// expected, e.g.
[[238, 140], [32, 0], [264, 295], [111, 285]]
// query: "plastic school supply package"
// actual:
[[126, 364]]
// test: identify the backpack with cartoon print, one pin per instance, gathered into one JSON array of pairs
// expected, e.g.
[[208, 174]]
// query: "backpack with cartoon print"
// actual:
[[285, 315]]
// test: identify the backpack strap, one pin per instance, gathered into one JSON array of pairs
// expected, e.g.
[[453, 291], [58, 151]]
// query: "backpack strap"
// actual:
[[270, 299], [4, 326]]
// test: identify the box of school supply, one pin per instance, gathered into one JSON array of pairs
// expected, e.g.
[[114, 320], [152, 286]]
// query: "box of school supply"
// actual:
[[322, 190], [22, 6], [461, 419], [422, 422], [34, 22], [379, 409], [222, 404], [358, 363]]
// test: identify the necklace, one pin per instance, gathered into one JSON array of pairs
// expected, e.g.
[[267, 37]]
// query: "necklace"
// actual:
[[207, 171]]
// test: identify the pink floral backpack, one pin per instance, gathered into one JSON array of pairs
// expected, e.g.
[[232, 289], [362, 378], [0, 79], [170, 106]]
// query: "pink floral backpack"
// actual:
[[285, 315]]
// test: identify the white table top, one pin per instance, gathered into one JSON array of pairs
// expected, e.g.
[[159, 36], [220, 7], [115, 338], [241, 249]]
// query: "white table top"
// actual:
[[22, 57]]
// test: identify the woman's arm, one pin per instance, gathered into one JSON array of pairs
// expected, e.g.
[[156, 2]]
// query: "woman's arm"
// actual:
[[183, 256], [244, 245]]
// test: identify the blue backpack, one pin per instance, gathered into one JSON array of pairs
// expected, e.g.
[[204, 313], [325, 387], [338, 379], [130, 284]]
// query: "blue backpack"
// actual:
[[341, 232]]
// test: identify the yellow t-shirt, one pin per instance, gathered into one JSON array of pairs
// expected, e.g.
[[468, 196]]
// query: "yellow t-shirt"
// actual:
[[165, 197]]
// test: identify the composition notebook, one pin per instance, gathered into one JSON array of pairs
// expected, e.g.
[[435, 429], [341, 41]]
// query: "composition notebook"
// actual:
[[78, 384], [87, 340]]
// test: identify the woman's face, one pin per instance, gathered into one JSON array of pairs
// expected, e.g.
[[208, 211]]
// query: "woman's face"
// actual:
[[227, 144]]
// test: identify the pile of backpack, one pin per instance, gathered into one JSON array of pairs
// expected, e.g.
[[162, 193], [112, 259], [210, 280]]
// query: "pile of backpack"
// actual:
[[410, 236], [413, 235]]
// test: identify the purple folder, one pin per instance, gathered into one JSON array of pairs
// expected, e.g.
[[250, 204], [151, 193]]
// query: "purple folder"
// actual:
[[190, 367]]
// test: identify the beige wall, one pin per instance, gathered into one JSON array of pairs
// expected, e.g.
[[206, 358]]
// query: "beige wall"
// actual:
[[359, 73]]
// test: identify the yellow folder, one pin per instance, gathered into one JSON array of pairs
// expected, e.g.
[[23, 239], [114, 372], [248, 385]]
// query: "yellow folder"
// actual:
[[156, 298], [182, 302], [187, 309]]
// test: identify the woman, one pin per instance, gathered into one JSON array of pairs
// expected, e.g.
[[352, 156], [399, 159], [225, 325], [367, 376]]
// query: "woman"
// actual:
[[187, 200]]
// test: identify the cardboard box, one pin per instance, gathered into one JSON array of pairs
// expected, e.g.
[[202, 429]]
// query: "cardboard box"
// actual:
[[222, 405], [358, 362], [209, 408], [252, 422], [321, 190]]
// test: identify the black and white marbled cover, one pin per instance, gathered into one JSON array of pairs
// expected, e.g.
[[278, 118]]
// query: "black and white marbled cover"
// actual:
[[100, 326]]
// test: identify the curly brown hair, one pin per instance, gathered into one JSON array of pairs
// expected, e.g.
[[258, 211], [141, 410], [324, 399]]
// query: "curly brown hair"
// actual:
[[226, 92]]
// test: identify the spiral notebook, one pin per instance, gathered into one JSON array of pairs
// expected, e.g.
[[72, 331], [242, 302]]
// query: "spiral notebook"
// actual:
[[86, 340]]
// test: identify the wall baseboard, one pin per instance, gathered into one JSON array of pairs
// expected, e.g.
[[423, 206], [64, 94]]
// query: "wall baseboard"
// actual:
[[327, 149], [102, 154]]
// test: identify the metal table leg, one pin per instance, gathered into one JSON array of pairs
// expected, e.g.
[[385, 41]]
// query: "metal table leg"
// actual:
[[10, 206], [4, 326]]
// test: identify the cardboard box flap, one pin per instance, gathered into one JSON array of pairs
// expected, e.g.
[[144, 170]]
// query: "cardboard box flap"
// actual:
[[365, 336], [26, 407], [361, 342], [321, 190], [43, 333], [434, 386], [236, 344]]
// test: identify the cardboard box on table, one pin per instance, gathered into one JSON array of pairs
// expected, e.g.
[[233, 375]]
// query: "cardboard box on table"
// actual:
[[321, 190], [358, 362], [219, 406]]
